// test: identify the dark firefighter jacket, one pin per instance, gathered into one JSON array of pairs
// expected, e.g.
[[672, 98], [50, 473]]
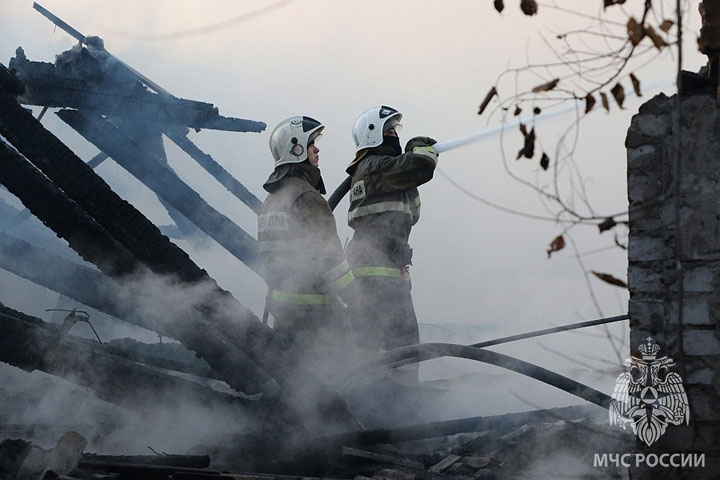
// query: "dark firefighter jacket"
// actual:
[[305, 270], [384, 205], [298, 241]]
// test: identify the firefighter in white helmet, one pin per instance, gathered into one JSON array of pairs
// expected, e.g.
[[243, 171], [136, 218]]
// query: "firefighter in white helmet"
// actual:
[[384, 205], [301, 251]]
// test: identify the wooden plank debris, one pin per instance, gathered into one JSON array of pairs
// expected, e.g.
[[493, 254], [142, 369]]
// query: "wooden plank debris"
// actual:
[[377, 457], [444, 464]]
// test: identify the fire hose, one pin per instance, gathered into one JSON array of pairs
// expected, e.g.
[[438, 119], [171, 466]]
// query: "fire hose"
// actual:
[[454, 143], [427, 351], [444, 146]]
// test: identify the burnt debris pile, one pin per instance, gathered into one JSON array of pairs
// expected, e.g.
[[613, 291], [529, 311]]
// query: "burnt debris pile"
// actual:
[[525, 445]]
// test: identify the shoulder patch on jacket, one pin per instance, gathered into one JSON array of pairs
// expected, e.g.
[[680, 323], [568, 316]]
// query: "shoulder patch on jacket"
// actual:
[[358, 191], [273, 221]]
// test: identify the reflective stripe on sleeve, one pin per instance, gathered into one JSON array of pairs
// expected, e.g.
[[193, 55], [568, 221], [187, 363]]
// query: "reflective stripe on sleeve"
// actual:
[[377, 272], [300, 298], [378, 208]]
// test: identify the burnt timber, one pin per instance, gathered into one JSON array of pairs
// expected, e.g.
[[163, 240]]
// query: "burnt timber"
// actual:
[[129, 238], [31, 344], [232, 334], [136, 144], [149, 169], [125, 115]]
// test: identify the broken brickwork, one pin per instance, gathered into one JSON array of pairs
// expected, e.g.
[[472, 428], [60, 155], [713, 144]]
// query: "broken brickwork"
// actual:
[[674, 261]]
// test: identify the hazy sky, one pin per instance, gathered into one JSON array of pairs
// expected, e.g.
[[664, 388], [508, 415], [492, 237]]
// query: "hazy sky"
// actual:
[[332, 59]]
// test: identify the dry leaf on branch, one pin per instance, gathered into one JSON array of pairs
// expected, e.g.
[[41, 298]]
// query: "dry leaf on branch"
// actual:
[[607, 224], [546, 86], [517, 111], [666, 25], [607, 278], [486, 101], [605, 102], [657, 40], [589, 102], [544, 161], [499, 5], [635, 31], [618, 93], [556, 245], [636, 84], [617, 242], [528, 149], [528, 7]]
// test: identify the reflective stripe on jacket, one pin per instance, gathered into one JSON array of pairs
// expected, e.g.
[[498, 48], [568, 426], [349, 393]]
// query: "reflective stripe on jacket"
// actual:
[[384, 205], [385, 186]]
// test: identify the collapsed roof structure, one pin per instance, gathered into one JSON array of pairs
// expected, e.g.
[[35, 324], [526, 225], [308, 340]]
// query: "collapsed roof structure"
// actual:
[[300, 425]]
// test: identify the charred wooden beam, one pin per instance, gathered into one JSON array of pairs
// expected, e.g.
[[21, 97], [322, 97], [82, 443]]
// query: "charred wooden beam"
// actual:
[[148, 138], [215, 169], [381, 458], [89, 287], [133, 470], [46, 85], [81, 283], [149, 169], [124, 222], [149, 471], [10, 82], [197, 368], [189, 461], [95, 196], [453, 427], [31, 344], [63, 215], [225, 333]]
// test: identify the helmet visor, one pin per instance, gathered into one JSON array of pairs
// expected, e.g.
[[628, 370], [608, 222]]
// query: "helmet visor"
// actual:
[[314, 138], [392, 124]]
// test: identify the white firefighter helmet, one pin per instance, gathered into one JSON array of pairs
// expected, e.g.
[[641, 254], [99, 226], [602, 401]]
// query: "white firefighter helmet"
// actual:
[[370, 126], [290, 139]]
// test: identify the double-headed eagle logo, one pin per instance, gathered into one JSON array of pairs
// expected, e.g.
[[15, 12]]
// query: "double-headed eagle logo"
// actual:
[[649, 396]]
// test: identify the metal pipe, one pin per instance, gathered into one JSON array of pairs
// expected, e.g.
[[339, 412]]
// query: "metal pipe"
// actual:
[[60, 23], [547, 331]]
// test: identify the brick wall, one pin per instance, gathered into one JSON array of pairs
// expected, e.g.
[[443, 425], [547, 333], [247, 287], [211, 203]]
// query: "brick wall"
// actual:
[[657, 286]]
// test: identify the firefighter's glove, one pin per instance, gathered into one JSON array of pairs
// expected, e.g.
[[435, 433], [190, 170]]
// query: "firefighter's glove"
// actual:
[[419, 142]]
